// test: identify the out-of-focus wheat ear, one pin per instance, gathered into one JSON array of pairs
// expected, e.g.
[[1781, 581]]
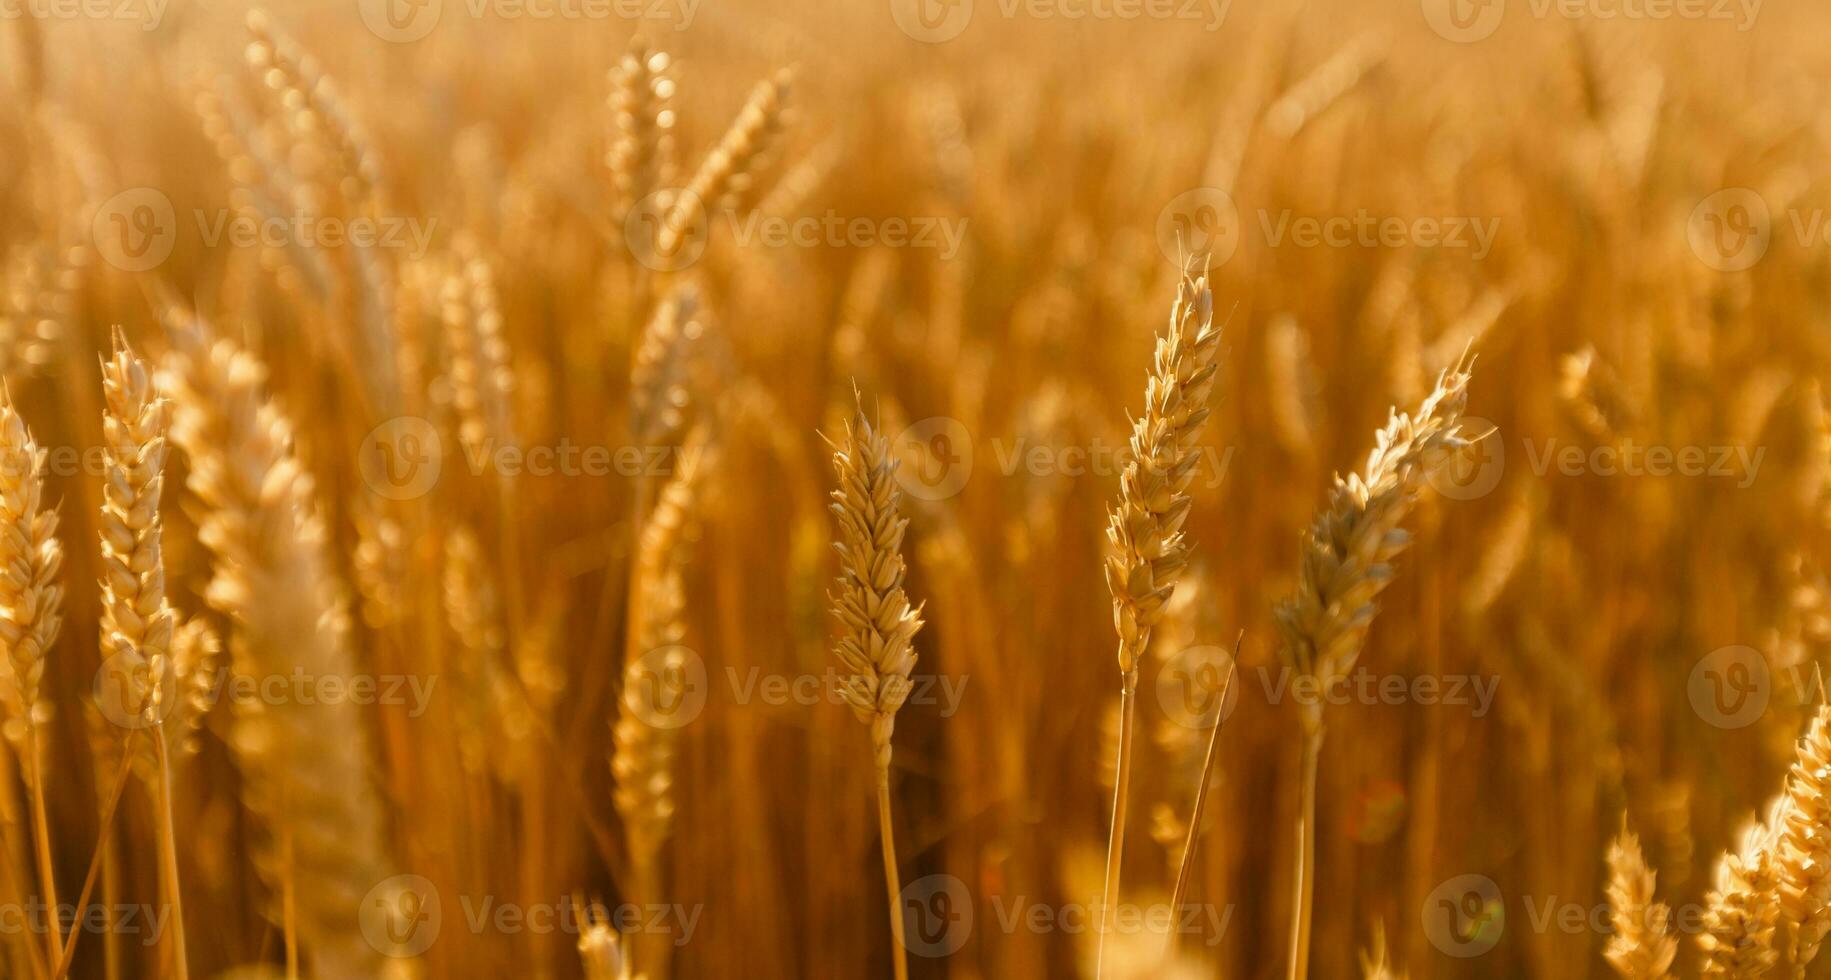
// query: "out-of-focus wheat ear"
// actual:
[[1376, 963], [877, 623], [642, 753], [658, 391], [1742, 907], [601, 951], [137, 621], [473, 608], [1147, 550], [1803, 851], [31, 613], [641, 158], [729, 170], [1642, 946], [477, 365], [305, 767]]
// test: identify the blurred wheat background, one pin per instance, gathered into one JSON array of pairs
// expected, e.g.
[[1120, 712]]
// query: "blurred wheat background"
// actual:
[[442, 543]]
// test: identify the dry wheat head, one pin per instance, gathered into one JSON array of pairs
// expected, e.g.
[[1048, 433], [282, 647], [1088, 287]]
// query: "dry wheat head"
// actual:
[[878, 624], [1642, 946], [1148, 550]]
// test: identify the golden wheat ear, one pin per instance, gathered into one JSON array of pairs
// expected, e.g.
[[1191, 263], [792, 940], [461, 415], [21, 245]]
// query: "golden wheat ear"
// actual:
[[305, 766], [1642, 946], [31, 614]]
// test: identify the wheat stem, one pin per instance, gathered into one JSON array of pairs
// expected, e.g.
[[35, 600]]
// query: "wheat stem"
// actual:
[[892, 881]]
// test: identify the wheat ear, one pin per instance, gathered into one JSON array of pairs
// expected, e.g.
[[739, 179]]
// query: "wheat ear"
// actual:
[[641, 159], [31, 604], [305, 767], [1148, 550], [877, 621], [1803, 851], [1642, 946], [1346, 561], [731, 167], [642, 754], [137, 621], [1740, 912]]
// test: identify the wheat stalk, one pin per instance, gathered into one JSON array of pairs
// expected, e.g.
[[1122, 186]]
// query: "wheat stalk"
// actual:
[[137, 621], [1345, 563], [305, 767], [877, 621], [1642, 946], [31, 603], [1147, 548]]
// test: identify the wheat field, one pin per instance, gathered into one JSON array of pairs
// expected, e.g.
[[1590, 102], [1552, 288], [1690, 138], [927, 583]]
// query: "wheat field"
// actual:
[[914, 488]]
